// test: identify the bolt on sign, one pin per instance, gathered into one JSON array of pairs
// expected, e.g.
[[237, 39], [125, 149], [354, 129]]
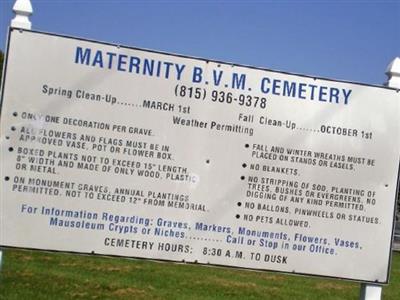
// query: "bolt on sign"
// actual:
[[121, 151]]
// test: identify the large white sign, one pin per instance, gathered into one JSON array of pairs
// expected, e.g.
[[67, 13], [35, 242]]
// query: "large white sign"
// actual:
[[121, 151]]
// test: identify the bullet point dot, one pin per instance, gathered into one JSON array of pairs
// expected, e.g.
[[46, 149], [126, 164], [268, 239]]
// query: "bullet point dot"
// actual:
[[242, 177], [6, 178], [15, 114], [7, 137], [244, 165], [247, 145], [207, 161], [13, 128], [237, 216], [11, 149], [239, 204]]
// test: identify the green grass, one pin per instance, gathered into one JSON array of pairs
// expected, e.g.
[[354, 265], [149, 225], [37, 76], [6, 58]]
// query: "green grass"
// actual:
[[41, 275]]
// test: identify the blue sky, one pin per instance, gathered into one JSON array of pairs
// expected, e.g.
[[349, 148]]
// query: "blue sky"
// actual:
[[346, 40]]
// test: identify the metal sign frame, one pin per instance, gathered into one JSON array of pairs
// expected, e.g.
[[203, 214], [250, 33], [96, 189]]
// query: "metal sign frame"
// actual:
[[183, 56]]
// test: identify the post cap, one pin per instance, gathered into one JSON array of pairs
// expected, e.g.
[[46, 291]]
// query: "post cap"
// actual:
[[22, 9], [393, 73], [394, 67]]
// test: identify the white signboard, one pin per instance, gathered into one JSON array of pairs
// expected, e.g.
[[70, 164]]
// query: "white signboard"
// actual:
[[122, 151]]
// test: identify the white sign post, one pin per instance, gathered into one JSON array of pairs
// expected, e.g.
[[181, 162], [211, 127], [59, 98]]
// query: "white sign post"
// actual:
[[122, 151], [369, 291], [22, 10]]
